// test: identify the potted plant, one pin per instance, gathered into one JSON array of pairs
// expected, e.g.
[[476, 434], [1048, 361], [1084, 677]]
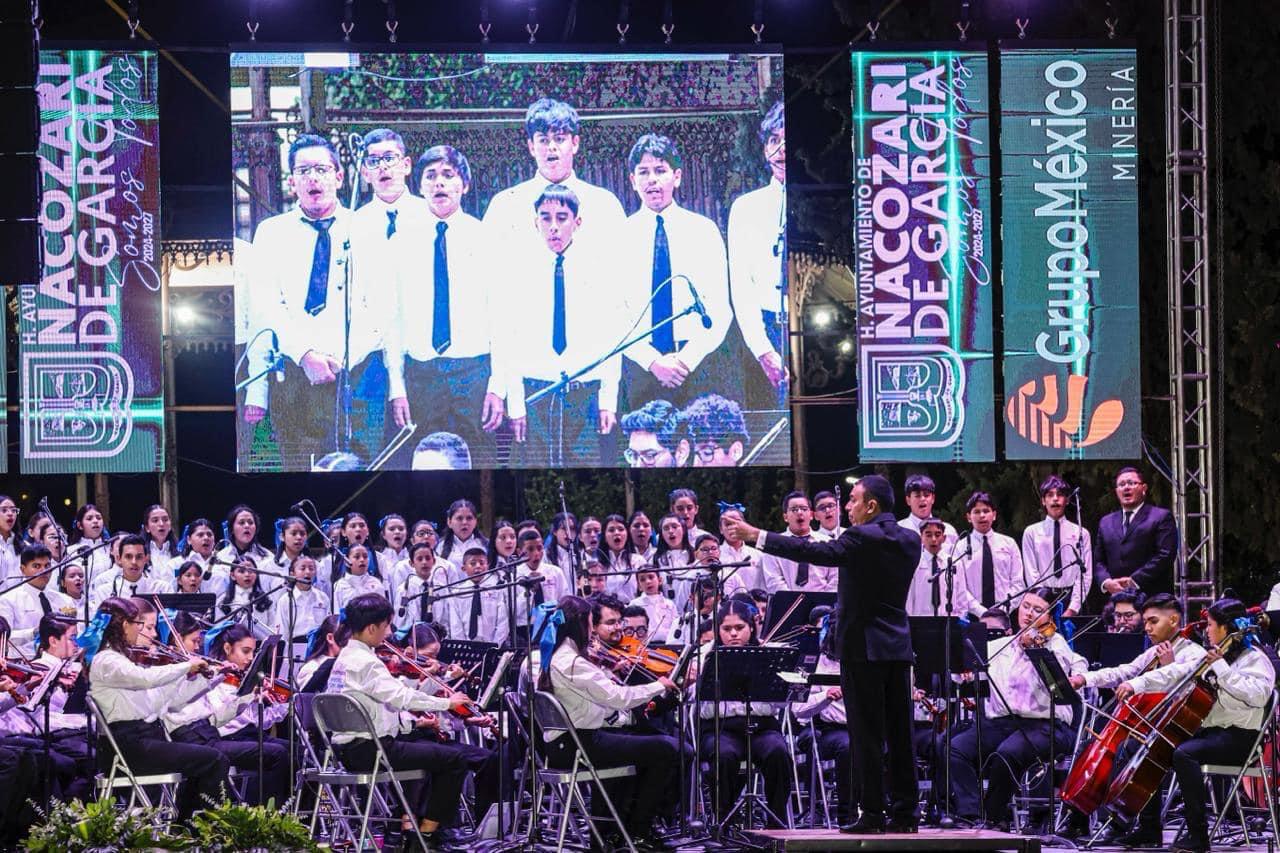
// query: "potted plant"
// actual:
[[98, 825], [236, 827]]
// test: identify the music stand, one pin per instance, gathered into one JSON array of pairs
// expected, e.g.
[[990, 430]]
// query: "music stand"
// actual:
[[928, 635], [782, 602], [1056, 682], [191, 602], [1106, 649], [252, 678], [747, 674], [468, 653]]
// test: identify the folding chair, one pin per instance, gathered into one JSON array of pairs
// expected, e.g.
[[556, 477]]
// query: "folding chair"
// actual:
[[336, 714], [1254, 767], [551, 717], [166, 782], [312, 746]]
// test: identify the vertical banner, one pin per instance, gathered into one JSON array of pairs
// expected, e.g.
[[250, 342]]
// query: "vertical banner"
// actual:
[[1069, 163], [922, 256], [89, 332]]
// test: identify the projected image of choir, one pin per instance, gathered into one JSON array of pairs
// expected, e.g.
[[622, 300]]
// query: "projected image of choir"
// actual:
[[554, 330]]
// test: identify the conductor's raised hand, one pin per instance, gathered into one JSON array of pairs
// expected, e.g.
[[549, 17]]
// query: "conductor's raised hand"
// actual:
[[740, 527]]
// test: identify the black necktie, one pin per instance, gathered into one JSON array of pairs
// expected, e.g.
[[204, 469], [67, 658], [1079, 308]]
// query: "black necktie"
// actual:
[[936, 594], [391, 223], [802, 570], [475, 614], [988, 573], [1128, 517], [133, 590], [318, 284], [663, 338], [558, 341], [1057, 547], [44, 604], [424, 607], [441, 332], [537, 594]]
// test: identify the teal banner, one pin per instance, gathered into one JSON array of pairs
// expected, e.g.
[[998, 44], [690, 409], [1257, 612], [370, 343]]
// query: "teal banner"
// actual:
[[1069, 164], [91, 375], [922, 256]]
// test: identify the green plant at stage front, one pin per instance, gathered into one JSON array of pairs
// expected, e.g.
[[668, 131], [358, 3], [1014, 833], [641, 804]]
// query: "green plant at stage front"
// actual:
[[98, 825], [235, 827]]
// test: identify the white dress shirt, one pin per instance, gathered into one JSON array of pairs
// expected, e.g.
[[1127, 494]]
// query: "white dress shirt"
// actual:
[[113, 583], [818, 704], [822, 534], [493, 624], [471, 260], [159, 553], [100, 559], [414, 585], [757, 220], [696, 250], [1076, 559], [1184, 651], [590, 695], [10, 565], [780, 573], [707, 710], [377, 260], [662, 612], [1243, 687], [261, 622], [198, 699], [213, 585], [246, 715], [595, 321], [21, 607], [259, 556], [509, 218], [281, 274], [623, 586], [298, 611], [121, 687], [459, 548], [349, 586], [359, 674], [752, 576], [1016, 689], [920, 593], [1006, 559], [914, 522], [59, 719]]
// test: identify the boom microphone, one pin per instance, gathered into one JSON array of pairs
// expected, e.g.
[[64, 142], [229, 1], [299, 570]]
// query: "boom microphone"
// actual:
[[698, 306]]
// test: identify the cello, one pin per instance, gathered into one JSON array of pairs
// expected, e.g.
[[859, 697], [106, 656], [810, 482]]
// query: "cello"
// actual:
[[1174, 721], [1086, 785]]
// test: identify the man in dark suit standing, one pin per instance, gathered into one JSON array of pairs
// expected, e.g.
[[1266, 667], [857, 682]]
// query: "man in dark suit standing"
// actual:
[[1136, 545], [872, 639]]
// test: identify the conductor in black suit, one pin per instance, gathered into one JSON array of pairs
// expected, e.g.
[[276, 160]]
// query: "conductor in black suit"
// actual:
[[1136, 545], [872, 639]]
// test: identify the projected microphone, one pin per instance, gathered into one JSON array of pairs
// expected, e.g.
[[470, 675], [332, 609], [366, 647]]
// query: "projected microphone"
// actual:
[[275, 357], [698, 306]]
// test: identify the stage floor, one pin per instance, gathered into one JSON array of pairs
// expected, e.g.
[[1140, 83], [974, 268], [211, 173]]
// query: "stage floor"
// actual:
[[928, 839]]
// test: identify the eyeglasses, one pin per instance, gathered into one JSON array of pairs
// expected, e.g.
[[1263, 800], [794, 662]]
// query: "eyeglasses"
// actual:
[[1037, 609], [1123, 483], [707, 451], [648, 457], [379, 160], [826, 507], [635, 631], [320, 170]]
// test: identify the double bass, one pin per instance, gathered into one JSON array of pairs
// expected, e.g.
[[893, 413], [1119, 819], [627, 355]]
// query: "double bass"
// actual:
[[1174, 721], [1085, 789]]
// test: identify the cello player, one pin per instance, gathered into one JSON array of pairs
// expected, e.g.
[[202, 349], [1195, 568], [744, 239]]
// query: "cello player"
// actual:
[[1162, 622]]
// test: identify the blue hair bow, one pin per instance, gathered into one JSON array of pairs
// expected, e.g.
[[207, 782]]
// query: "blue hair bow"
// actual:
[[91, 639], [226, 531], [553, 617], [279, 531], [211, 635], [182, 540], [1245, 627], [162, 627], [313, 637], [402, 635], [725, 506], [824, 627], [342, 615]]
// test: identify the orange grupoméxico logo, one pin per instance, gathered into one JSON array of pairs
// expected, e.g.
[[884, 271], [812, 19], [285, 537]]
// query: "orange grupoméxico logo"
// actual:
[[1034, 419]]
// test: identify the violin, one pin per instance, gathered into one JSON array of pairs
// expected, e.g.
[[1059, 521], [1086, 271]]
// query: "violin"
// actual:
[[653, 662], [275, 692], [464, 710], [155, 655], [22, 672]]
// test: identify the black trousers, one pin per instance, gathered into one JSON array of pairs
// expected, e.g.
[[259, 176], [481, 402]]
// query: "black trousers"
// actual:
[[147, 751], [483, 764], [834, 745], [243, 755], [1209, 746], [769, 753], [304, 416], [437, 801], [656, 759], [877, 700], [564, 428], [19, 783], [446, 395], [1010, 746]]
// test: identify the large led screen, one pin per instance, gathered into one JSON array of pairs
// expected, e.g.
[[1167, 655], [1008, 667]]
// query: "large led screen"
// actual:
[[489, 260], [922, 242], [1069, 181]]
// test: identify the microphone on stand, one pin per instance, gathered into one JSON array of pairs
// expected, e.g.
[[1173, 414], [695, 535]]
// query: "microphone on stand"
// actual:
[[698, 306]]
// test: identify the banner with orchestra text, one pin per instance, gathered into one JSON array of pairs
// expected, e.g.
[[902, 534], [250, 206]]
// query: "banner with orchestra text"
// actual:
[[922, 256], [1069, 182], [89, 332]]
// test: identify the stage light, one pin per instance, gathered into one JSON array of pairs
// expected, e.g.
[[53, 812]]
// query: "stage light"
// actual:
[[185, 315], [852, 481], [846, 346], [66, 501], [821, 318], [24, 496]]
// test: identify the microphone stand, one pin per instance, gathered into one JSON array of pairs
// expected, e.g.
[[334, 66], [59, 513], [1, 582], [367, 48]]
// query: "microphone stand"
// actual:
[[342, 402], [336, 559], [575, 555]]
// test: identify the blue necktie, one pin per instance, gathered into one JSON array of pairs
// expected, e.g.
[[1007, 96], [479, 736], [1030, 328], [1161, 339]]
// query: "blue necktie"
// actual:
[[391, 223], [440, 330], [318, 284], [558, 342], [663, 338]]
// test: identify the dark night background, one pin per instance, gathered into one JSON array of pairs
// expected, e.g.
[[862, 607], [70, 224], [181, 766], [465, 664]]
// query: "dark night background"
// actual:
[[814, 35]]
